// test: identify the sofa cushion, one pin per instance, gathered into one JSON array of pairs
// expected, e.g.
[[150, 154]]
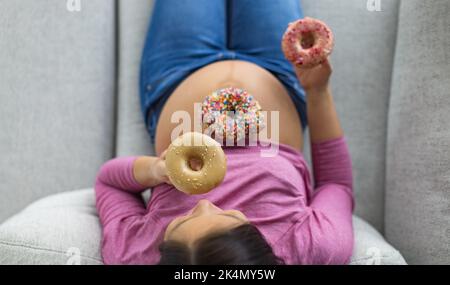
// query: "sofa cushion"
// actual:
[[56, 97], [362, 61], [73, 220], [132, 137], [418, 153]]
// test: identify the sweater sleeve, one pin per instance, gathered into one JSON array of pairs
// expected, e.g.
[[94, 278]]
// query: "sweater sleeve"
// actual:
[[333, 180], [329, 225], [332, 163], [129, 236], [117, 192]]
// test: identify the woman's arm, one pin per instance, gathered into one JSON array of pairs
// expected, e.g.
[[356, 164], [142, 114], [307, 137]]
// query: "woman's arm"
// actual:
[[331, 204], [330, 156], [121, 209], [120, 182], [322, 117]]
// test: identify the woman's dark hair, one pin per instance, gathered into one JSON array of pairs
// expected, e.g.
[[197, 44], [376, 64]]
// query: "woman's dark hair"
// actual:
[[241, 245]]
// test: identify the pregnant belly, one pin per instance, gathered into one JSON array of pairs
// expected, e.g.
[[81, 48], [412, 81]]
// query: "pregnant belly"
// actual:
[[265, 88]]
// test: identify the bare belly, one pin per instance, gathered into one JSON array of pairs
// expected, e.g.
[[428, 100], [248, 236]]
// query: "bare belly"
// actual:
[[265, 88]]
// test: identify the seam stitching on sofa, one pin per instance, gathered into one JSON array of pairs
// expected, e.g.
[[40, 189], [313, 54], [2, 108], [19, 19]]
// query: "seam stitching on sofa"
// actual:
[[388, 113], [117, 75], [2, 242], [396, 252]]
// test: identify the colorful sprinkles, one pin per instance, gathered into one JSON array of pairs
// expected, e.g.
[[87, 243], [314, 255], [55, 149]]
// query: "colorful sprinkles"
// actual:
[[307, 42], [232, 112]]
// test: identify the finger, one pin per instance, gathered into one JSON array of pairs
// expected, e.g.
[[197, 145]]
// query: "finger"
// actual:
[[167, 180], [162, 170], [302, 69], [163, 154], [299, 70], [326, 65], [325, 62], [162, 167]]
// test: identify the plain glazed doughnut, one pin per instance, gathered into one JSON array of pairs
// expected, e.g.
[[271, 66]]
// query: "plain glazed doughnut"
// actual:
[[190, 146], [233, 112], [307, 42]]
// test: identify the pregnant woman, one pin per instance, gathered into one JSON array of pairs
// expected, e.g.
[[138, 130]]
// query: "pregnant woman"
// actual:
[[268, 210]]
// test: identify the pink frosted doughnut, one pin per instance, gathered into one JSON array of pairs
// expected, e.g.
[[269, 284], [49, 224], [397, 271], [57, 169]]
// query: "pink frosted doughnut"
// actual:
[[307, 42]]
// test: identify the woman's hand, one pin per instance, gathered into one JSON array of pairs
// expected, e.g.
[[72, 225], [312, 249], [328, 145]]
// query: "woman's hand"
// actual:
[[314, 79], [150, 171], [159, 169]]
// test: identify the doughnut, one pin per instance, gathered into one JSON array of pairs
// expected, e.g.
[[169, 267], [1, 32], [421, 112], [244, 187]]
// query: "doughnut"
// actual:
[[194, 145], [307, 42], [232, 112]]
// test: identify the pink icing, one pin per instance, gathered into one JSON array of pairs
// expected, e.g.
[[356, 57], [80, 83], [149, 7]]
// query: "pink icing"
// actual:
[[320, 49]]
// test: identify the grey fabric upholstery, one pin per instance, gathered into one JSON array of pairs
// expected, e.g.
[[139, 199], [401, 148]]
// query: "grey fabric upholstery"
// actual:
[[72, 215], [56, 97], [418, 153], [132, 137], [71, 218], [59, 119], [370, 247]]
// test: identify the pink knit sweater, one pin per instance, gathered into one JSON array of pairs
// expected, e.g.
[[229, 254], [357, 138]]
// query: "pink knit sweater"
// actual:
[[304, 224]]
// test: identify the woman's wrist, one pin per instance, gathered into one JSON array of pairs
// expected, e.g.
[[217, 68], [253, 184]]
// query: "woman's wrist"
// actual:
[[322, 116], [318, 94]]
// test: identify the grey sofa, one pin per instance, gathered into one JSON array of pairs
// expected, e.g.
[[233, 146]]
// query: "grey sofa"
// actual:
[[69, 102]]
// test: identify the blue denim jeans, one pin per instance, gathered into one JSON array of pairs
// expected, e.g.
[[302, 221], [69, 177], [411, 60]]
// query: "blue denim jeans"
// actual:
[[185, 35]]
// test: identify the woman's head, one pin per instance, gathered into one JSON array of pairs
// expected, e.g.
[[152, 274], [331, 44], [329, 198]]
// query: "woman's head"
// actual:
[[210, 235]]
